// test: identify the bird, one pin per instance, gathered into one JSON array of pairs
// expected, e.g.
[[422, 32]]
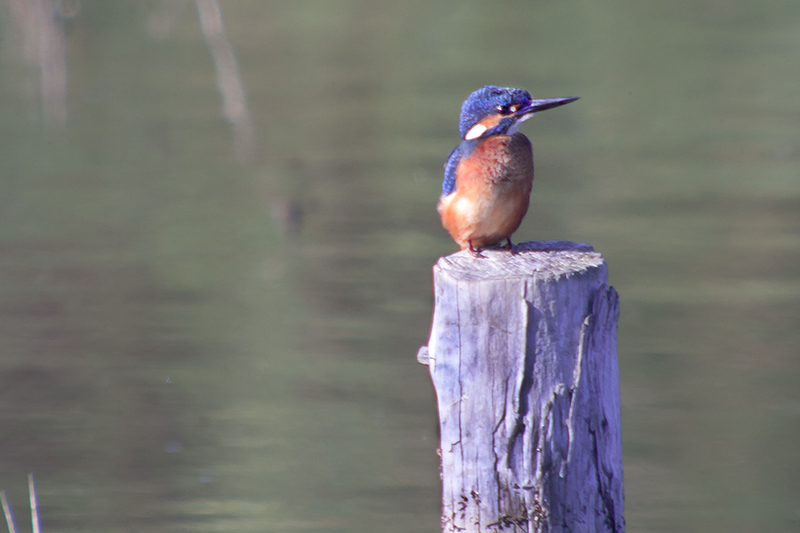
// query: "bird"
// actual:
[[488, 176]]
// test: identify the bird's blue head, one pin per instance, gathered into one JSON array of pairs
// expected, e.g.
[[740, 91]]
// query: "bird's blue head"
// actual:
[[500, 111]]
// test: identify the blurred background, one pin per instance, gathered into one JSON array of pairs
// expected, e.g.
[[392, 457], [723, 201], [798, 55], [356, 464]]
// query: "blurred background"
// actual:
[[217, 224]]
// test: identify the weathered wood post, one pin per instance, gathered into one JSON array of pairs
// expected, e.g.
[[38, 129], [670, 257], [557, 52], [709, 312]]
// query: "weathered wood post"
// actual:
[[523, 357]]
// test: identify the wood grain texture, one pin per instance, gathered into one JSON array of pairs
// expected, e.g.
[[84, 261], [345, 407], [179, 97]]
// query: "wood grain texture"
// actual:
[[522, 355]]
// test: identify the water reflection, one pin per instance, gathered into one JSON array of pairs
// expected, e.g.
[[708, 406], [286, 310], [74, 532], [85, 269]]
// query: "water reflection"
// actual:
[[181, 353], [41, 23]]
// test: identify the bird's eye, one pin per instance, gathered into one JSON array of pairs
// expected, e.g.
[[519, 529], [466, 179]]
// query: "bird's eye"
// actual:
[[507, 109]]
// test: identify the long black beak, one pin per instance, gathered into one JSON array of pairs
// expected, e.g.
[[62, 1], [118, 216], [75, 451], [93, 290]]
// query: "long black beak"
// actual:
[[540, 105]]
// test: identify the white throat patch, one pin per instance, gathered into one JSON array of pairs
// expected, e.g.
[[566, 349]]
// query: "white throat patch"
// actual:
[[515, 126]]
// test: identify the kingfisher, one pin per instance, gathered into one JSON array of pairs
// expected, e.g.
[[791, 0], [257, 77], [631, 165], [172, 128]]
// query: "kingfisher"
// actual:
[[488, 177]]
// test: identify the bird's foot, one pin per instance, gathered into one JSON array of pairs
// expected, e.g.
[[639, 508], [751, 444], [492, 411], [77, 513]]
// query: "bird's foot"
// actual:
[[509, 247], [475, 252]]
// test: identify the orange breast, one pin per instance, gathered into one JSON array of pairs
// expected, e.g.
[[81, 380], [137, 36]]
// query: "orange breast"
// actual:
[[492, 193]]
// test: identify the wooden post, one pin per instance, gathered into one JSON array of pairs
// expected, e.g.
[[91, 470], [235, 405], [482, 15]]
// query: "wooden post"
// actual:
[[523, 357]]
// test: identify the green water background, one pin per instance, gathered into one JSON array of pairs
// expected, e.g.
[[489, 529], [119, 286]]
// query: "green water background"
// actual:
[[193, 341]]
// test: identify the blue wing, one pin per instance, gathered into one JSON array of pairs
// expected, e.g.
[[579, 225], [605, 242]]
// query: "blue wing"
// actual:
[[449, 182]]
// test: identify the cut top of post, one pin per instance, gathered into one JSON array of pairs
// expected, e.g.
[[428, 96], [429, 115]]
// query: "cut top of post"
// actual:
[[560, 258]]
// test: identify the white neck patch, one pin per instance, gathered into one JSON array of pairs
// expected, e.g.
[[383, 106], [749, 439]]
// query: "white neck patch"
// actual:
[[475, 131]]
